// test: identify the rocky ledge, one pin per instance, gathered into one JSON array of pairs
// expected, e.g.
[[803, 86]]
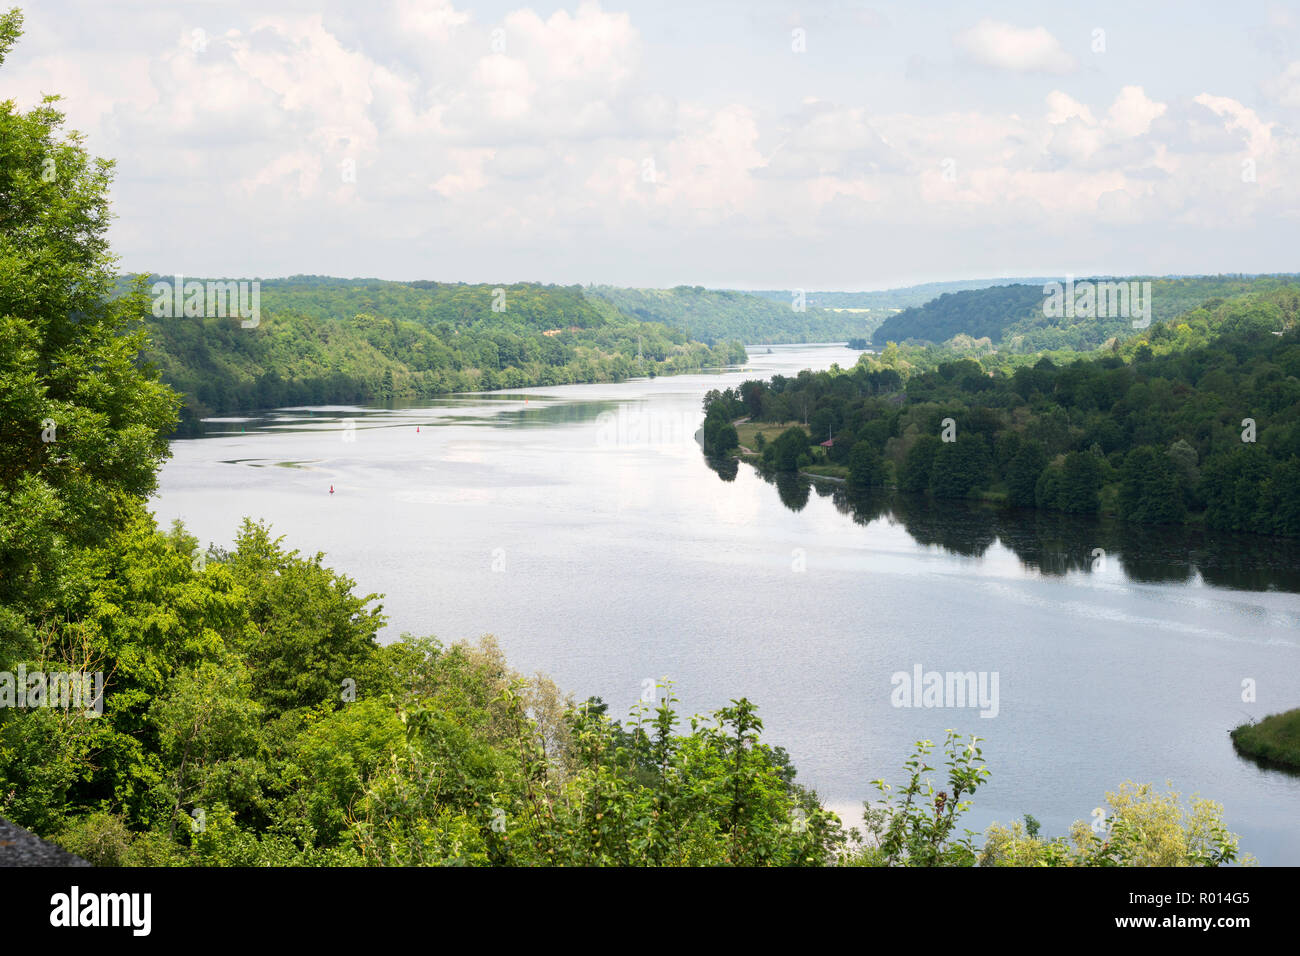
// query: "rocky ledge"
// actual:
[[18, 847]]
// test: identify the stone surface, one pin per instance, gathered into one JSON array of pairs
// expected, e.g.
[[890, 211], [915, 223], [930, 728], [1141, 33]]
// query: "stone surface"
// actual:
[[18, 847]]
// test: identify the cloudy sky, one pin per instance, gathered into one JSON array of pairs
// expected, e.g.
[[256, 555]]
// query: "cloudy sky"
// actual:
[[819, 145]]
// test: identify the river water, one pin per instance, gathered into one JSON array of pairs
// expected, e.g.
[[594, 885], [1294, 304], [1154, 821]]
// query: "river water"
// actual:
[[582, 526]]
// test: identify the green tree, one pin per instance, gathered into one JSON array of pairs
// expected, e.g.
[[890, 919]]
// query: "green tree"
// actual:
[[84, 425], [1081, 479], [312, 639], [1023, 473], [786, 450], [206, 719], [1149, 488], [919, 465], [866, 467], [960, 467]]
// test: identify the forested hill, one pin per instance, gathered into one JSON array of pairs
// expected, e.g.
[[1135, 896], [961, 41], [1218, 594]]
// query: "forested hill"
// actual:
[[719, 315], [882, 302], [1194, 420], [321, 340], [1012, 316]]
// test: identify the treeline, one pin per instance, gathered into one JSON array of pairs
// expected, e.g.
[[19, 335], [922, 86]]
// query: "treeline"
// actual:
[[1012, 316], [884, 301], [714, 315], [1193, 420], [336, 341]]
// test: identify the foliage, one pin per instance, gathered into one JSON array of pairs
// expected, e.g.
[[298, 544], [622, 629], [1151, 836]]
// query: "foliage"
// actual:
[[1144, 828], [917, 826], [320, 340], [1275, 739], [83, 426], [1012, 316], [1193, 421], [882, 301], [714, 315], [788, 451]]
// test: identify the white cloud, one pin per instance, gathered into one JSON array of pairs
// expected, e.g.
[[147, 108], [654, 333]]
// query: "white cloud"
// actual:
[[428, 21], [1061, 107], [1257, 134], [467, 142], [1284, 89], [1003, 46], [1132, 112]]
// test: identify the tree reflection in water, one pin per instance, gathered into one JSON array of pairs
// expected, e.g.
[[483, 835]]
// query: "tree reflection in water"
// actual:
[[1057, 544]]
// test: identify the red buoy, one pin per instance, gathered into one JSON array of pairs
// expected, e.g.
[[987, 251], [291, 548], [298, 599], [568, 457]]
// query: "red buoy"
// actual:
[[331, 489]]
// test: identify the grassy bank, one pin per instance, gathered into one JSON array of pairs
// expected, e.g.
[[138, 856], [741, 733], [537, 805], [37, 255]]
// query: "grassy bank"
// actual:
[[1275, 739], [746, 431]]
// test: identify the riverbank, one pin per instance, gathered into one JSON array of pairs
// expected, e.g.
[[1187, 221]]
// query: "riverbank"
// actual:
[[748, 431]]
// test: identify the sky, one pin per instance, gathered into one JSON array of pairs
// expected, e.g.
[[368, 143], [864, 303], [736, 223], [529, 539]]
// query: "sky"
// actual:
[[822, 145]]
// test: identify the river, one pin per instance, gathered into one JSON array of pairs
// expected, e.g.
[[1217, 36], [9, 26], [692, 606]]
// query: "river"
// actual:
[[582, 526]]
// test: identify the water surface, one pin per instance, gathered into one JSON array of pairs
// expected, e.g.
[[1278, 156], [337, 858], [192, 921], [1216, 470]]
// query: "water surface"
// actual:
[[581, 525]]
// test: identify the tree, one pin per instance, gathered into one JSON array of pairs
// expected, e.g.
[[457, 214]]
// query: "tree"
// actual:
[[960, 467], [1081, 477], [1023, 473], [1149, 488], [719, 435], [784, 452], [1233, 484], [866, 467], [84, 426], [919, 464], [725, 439], [754, 395], [207, 717], [312, 639]]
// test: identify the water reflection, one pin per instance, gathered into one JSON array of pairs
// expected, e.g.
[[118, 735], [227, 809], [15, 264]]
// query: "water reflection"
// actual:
[[1268, 766], [1057, 544], [454, 410], [725, 468], [792, 489]]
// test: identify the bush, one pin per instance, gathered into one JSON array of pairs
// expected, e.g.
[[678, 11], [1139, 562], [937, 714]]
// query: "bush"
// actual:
[[1275, 738], [1143, 828], [103, 839], [919, 829]]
